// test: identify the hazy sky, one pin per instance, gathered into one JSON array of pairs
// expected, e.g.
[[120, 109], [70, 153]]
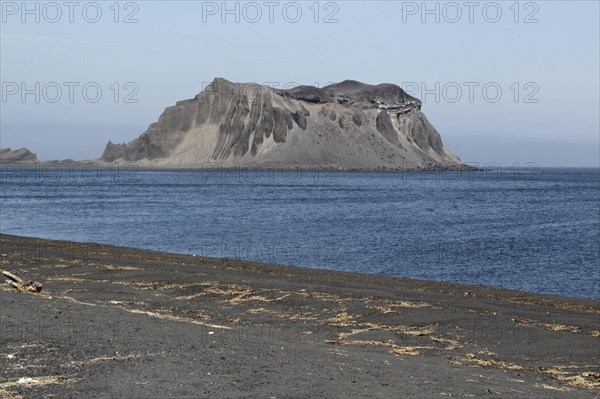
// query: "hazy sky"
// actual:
[[507, 82]]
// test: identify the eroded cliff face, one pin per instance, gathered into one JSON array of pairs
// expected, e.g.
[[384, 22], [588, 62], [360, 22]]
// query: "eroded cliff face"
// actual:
[[21, 155], [349, 125]]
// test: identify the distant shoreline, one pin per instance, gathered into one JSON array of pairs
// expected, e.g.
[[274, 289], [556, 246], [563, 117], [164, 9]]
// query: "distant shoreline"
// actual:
[[208, 166], [222, 166]]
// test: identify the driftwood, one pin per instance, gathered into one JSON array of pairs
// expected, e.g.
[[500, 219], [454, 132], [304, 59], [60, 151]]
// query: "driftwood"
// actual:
[[20, 285]]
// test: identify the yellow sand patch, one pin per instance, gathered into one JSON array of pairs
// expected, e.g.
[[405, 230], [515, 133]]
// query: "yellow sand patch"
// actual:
[[247, 298], [342, 319], [557, 327], [561, 327], [587, 380], [550, 387], [239, 293], [475, 361], [417, 331], [576, 366], [409, 350], [393, 347], [344, 335], [452, 344]]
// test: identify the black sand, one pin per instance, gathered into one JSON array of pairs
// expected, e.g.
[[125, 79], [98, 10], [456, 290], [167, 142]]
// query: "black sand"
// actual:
[[122, 323]]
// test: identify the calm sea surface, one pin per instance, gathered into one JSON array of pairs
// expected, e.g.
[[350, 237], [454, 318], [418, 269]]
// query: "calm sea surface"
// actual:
[[530, 229]]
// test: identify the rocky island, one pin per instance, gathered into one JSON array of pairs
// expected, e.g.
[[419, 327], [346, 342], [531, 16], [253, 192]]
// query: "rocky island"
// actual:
[[21, 155], [348, 125]]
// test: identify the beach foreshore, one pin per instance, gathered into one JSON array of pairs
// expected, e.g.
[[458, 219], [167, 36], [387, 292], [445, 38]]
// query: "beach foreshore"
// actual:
[[114, 322]]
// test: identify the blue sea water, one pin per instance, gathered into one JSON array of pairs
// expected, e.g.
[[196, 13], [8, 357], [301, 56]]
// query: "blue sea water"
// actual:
[[533, 229]]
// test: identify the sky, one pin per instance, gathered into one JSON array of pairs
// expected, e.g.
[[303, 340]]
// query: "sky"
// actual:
[[503, 82]]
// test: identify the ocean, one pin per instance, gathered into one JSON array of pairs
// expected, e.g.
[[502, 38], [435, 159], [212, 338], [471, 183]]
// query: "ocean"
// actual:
[[527, 228]]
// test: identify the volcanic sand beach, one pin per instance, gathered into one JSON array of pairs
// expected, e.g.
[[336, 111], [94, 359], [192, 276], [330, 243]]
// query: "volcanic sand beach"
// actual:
[[114, 322]]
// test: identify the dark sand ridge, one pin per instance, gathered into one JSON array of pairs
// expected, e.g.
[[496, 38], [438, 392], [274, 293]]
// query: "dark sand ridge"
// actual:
[[122, 323]]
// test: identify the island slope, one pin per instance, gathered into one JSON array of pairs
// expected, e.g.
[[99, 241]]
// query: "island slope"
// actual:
[[348, 125]]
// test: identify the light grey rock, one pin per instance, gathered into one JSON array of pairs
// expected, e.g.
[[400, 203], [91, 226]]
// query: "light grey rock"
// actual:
[[21, 155], [383, 123]]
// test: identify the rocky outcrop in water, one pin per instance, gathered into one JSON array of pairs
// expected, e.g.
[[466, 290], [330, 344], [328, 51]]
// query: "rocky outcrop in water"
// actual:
[[348, 125], [21, 155]]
